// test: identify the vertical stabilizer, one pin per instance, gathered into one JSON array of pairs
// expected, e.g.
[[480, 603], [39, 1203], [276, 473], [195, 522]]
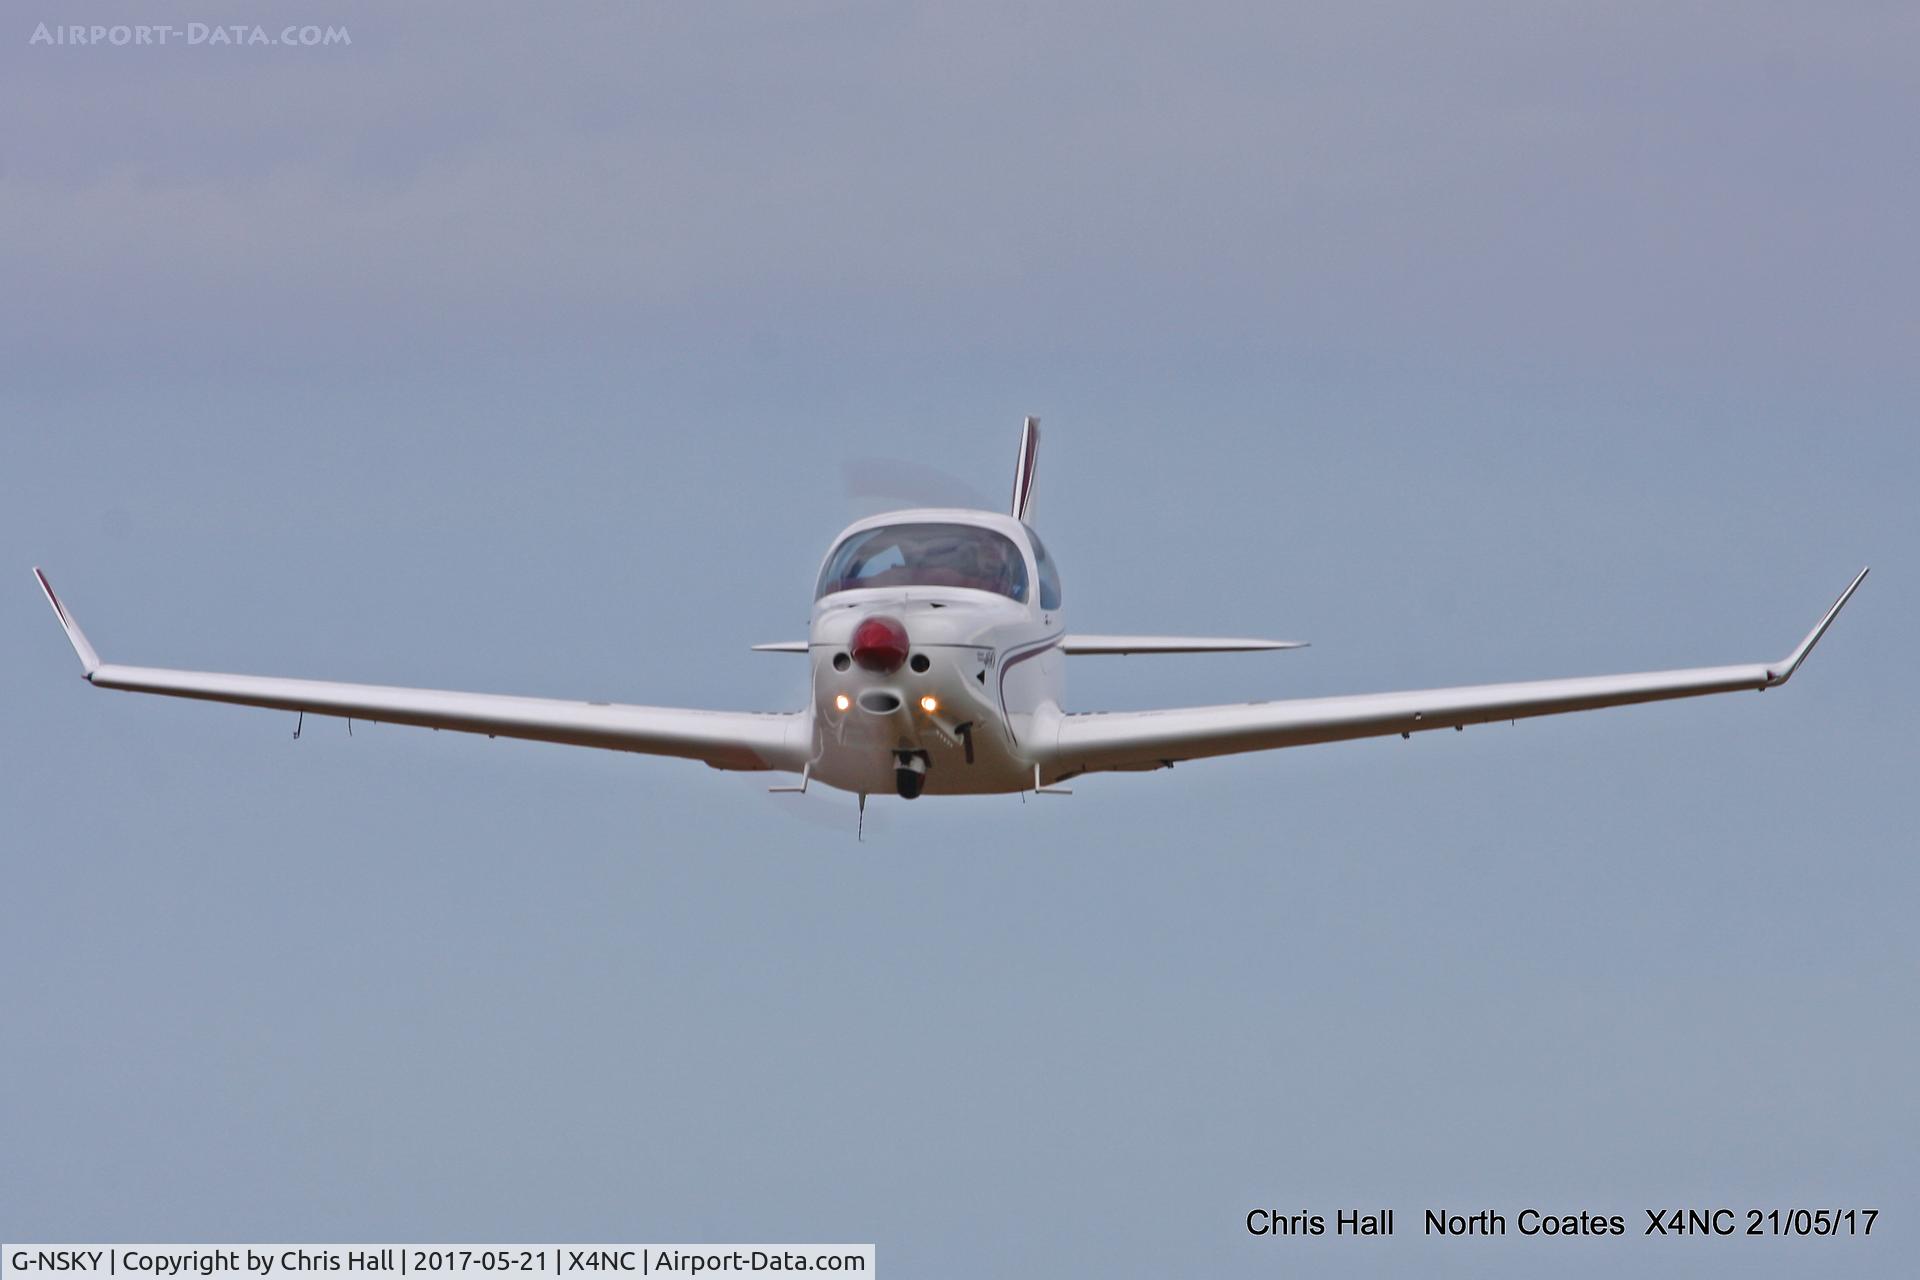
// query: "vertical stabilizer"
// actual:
[[1023, 469]]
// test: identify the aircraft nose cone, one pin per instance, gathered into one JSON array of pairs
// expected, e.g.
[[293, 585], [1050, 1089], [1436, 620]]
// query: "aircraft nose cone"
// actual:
[[879, 644]]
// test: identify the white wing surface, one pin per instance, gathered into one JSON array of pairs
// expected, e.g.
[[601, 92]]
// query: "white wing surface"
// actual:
[[1154, 739], [723, 739]]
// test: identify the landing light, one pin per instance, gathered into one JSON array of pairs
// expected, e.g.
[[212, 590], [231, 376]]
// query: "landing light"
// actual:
[[929, 704], [841, 702]]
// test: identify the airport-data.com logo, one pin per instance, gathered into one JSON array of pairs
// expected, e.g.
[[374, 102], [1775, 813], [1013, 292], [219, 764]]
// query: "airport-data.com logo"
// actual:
[[188, 35]]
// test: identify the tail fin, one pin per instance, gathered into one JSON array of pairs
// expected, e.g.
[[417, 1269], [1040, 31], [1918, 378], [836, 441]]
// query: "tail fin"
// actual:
[[1023, 469]]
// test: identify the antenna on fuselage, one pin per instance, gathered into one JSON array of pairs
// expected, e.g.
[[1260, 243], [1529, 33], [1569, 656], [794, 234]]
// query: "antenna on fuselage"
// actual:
[[1023, 469]]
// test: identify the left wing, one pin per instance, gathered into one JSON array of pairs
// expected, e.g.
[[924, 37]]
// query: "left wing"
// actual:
[[723, 739], [1155, 739]]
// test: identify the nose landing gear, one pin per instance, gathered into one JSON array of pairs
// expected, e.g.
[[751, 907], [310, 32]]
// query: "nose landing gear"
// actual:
[[909, 773]]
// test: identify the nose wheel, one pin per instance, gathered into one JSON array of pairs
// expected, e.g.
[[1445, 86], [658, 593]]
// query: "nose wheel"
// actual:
[[909, 773]]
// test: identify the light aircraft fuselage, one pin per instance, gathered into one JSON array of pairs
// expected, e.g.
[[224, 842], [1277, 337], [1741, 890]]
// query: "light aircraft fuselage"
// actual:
[[977, 681]]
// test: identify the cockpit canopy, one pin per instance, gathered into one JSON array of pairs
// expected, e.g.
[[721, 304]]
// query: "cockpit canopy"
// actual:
[[927, 555]]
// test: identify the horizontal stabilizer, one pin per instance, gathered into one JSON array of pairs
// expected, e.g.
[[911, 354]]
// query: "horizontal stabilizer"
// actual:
[[1172, 644]]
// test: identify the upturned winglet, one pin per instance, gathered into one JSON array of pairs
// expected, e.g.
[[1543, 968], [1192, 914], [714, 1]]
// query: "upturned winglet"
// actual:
[[89, 660], [1782, 671]]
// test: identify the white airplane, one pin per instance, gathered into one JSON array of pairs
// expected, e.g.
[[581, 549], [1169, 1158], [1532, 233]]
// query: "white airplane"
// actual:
[[937, 652]]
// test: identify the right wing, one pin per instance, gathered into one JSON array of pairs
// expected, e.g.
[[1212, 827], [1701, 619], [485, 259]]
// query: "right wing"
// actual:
[[1156, 739], [723, 739]]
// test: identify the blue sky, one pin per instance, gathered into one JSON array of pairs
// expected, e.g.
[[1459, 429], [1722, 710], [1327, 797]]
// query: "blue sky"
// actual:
[[524, 353]]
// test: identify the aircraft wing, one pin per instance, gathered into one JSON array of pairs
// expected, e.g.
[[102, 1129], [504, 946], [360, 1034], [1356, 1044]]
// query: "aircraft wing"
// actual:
[[1155, 739], [723, 739]]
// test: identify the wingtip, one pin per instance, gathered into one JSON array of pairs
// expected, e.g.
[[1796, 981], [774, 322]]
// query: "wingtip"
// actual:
[[46, 589], [1782, 671], [89, 660]]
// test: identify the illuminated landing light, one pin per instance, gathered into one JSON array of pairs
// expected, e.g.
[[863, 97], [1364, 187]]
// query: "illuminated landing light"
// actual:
[[841, 702], [929, 704]]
